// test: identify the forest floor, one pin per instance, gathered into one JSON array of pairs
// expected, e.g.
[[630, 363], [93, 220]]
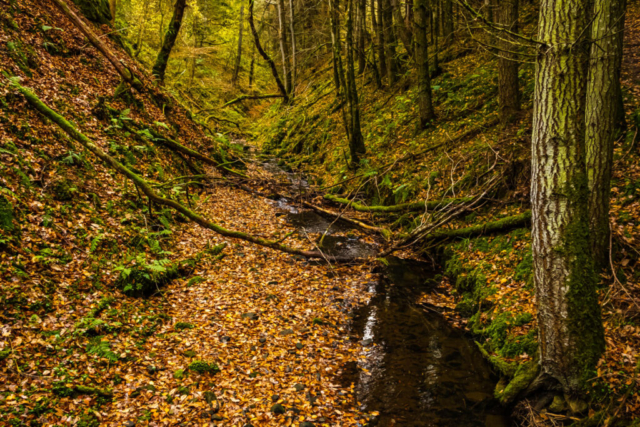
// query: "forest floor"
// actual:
[[247, 329]]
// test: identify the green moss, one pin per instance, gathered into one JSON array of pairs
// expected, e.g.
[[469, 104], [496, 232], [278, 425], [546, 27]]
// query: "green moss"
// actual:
[[183, 325], [6, 214], [97, 11], [64, 190], [203, 367], [522, 377], [524, 270], [5, 353]]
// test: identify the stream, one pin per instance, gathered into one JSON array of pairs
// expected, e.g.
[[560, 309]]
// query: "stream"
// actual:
[[418, 370]]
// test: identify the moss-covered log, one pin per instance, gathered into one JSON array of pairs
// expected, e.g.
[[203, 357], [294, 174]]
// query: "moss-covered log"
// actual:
[[403, 207], [501, 225], [97, 11], [147, 189], [243, 97]]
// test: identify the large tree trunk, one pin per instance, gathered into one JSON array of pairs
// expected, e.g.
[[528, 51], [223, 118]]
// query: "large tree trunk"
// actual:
[[508, 86], [265, 55], [356, 141], [236, 68], [379, 31], [601, 116], [570, 326], [422, 63], [390, 41], [169, 40], [284, 46]]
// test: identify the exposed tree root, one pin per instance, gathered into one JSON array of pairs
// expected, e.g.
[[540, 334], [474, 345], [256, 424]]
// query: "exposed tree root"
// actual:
[[504, 224], [147, 189], [382, 231], [422, 206]]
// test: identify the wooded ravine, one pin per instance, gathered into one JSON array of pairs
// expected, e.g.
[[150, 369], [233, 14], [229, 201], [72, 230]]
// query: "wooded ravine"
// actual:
[[319, 213]]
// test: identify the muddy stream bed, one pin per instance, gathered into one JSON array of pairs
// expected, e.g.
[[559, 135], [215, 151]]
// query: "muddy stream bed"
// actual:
[[418, 369]]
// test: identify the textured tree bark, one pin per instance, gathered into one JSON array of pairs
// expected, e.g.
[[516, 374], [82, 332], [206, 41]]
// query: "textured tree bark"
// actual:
[[508, 85], [169, 40], [356, 141], [602, 116], [425, 104], [236, 68], [284, 46], [362, 31], [265, 56], [375, 46], [379, 30], [390, 42], [570, 326]]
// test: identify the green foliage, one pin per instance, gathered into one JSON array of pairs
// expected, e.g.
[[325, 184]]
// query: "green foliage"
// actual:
[[6, 214], [183, 325], [140, 277], [203, 367], [101, 349]]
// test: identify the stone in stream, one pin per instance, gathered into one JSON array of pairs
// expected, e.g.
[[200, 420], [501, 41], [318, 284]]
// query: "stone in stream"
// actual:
[[129, 424], [262, 340], [307, 424], [286, 332], [367, 342], [275, 398], [298, 387], [299, 346], [250, 316]]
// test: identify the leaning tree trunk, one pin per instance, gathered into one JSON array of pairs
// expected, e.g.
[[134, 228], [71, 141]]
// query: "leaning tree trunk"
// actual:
[[570, 326], [236, 68], [284, 46], [356, 141], [422, 63], [602, 111], [378, 28], [169, 40], [265, 55], [390, 41], [508, 85]]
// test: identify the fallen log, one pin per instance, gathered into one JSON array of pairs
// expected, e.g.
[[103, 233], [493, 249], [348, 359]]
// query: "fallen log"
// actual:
[[504, 224], [403, 207], [382, 231], [147, 189], [243, 97], [126, 73]]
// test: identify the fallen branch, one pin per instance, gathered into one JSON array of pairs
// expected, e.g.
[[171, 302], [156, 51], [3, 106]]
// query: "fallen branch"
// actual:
[[243, 97], [403, 207], [382, 231], [504, 224], [126, 74], [147, 188]]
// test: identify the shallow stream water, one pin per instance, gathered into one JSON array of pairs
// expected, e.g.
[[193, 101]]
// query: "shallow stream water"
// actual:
[[418, 369]]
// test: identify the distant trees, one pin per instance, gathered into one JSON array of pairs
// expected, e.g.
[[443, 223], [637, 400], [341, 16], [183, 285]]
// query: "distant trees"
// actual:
[[425, 105], [236, 68], [160, 66], [508, 84]]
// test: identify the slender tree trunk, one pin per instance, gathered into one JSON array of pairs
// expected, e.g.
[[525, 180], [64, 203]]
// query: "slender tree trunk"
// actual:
[[236, 68], [293, 47], [336, 43], [169, 40], [379, 31], [434, 37], [447, 21], [390, 42], [356, 142], [422, 64], [571, 334], [265, 56], [508, 85], [142, 26], [400, 28], [284, 46], [253, 60], [602, 113], [375, 48], [113, 7], [361, 33]]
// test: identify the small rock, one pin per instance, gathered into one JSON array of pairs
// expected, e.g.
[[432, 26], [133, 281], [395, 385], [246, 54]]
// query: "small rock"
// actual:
[[129, 424], [335, 288], [275, 398], [248, 425], [216, 418], [577, 405], [286, 332], [250, 316], [263, 340], [253, 348], [299, 387], [307, 424], [278, 409], [225, 339], [558, 404], [299, 346], [366, 342]]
